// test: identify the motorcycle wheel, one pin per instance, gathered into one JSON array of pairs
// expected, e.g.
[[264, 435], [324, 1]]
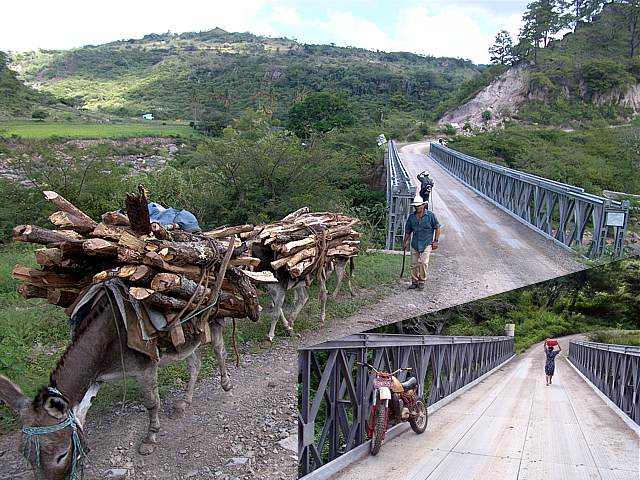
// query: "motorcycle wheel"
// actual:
[[379, 428], [419, 424]]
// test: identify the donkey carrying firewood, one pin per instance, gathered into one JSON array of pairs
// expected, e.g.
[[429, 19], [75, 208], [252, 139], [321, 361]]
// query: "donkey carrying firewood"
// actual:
[[53, 437]]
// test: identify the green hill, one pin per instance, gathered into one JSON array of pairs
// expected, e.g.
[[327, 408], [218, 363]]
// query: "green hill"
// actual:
[[194, 75], [15, 98], [219, 74]]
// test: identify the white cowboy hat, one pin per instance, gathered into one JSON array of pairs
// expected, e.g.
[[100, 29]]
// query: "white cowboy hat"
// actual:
[[417, 201]]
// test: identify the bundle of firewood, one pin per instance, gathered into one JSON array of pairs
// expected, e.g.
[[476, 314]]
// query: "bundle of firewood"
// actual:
[[303, 241], [174, 271]]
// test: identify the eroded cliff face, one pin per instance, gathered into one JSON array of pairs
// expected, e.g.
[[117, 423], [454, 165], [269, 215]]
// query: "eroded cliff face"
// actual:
[[509, 91], [628, 98]]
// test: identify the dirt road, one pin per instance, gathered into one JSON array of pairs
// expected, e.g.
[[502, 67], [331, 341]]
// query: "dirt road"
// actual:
[[511, 426], [483, 251]]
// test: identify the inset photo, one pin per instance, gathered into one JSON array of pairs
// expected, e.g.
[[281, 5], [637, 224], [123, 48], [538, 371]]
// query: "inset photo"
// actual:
[[529, 383]]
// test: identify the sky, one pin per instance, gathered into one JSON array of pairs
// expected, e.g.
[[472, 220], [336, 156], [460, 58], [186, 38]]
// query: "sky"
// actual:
[[455, 28]]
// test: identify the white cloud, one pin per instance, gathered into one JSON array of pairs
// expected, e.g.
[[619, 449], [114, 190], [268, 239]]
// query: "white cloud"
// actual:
[[353, 31]]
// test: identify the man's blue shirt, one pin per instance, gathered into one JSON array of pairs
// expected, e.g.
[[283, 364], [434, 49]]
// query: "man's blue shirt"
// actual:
[[422, 230]]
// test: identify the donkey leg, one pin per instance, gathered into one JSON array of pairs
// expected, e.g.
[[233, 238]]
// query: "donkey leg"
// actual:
[[278, 295], [151, 400], [301, 297], [217, 329], [193, 363], [340, 268], [323, 300]]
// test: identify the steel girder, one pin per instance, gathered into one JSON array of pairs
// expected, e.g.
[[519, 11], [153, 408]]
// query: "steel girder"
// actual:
[[563, 213], [400, 194], [614, 370], [335, 394]]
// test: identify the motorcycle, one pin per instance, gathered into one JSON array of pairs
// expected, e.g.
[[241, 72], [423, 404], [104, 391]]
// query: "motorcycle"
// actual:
[[397, 400]]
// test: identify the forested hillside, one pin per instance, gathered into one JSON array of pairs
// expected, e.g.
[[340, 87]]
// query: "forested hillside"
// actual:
[[15, 97], [215, 75], [589, 74]]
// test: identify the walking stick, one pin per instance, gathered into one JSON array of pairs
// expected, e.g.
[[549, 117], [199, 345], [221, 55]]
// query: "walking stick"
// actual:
[[404, 255]]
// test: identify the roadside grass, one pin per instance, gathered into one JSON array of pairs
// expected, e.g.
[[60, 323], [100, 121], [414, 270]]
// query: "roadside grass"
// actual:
[[34, 334], [616, 337], [40, 130]]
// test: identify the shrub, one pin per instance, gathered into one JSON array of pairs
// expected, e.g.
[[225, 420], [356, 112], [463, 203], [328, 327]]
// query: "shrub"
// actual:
[[601, 76]]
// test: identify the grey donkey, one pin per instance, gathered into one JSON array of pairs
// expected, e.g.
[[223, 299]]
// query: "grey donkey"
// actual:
[[53, 439]]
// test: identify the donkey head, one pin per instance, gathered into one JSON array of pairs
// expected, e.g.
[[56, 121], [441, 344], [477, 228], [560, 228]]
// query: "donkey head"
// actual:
[[52, 437]]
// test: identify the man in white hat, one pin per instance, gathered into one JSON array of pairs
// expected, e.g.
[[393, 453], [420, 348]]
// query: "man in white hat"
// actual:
[[423, 231]]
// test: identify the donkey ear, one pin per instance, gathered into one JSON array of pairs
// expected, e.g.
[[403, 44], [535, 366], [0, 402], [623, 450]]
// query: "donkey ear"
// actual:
[[57, 407], [11, 394]]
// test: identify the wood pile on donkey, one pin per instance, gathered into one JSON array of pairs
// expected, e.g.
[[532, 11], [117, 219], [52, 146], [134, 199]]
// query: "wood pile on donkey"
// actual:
[[139, 295], [302, 247]]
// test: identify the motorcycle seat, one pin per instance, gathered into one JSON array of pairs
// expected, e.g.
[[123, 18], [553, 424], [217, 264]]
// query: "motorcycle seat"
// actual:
[[410, 383]]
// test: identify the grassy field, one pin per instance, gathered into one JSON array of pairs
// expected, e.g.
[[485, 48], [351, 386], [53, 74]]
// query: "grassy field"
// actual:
[[39, 130], [34, 334]]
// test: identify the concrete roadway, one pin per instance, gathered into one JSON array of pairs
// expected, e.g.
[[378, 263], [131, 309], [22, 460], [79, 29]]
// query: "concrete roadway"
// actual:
[[478, 234], [512, 426]]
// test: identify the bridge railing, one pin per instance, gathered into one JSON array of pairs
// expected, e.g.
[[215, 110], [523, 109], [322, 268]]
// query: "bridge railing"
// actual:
[[564, 213], [335, 394], [614, 370], [400, 194]]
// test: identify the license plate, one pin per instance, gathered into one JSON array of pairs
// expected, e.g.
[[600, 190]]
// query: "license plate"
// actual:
[[383, 382]]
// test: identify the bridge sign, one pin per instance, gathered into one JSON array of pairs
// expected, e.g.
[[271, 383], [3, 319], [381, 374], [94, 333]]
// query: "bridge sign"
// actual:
[[615, 219]]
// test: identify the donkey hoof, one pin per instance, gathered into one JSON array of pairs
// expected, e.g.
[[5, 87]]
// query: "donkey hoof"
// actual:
[[180, 408], [226, 383], [146, 448]]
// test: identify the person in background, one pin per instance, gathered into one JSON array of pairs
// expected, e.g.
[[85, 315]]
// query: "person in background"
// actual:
[[423, 231], [550, 365]]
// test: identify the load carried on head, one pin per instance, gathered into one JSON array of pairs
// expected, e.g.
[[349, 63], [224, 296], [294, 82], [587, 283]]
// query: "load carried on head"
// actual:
[[181, 275]]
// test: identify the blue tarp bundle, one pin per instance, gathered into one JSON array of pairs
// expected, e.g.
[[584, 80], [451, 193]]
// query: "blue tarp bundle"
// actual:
[[165, 216]]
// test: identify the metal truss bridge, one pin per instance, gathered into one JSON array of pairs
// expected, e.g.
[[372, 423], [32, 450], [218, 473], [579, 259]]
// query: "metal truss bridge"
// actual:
[[588, 224], [491, 414]]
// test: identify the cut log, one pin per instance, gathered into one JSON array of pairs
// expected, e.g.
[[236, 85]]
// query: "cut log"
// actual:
[[228, 231], [178, 285], [49, 257], [299, 269], [70, 249], [260, 277], [138, 274], [43, 236], [245, 262], [31, 291], [101, 247], [295, 246], [294, 259], [62, 297], [126, 255], [152, 297], [155, 260], [161, 233], [115, 218], [342, 251], [294, 215], [106, 275], [110, 232], [138, 211], [44, 278], [68, 207], [77, 224], [132, 242]]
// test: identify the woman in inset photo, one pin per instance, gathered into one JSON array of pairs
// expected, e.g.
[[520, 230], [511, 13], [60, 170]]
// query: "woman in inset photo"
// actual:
[[551, 353]]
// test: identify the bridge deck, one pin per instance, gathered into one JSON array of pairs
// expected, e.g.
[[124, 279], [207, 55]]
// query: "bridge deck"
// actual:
[[512, 426]]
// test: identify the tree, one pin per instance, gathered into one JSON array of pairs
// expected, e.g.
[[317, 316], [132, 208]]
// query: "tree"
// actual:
[[501, 51], [577, 12], [541, 22], [319, 112]]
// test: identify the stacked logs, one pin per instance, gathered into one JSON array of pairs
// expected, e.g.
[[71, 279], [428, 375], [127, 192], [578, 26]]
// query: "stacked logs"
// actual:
[[302, 240], [172, 270]]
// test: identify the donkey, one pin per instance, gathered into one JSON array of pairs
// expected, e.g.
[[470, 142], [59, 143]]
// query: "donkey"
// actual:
[[286, 282], [53, 439]]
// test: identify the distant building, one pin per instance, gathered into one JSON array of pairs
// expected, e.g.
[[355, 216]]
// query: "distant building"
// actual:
[[148, 116]]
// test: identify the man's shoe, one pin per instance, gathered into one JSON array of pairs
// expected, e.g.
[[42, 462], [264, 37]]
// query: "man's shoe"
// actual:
[[421, 286], [413, 286]]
